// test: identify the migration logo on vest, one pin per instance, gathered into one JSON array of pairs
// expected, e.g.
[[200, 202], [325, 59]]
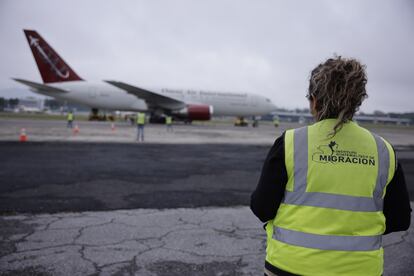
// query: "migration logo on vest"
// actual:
[[332, 153]]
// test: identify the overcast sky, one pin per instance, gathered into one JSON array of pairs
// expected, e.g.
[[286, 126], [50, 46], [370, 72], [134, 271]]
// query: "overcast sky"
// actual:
[[263, 47]]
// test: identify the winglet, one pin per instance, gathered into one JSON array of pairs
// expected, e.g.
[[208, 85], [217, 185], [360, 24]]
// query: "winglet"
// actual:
[[51, 66]]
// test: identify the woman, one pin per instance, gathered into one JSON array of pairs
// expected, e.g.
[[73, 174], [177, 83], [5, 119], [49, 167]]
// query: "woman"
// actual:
[[329, 191]]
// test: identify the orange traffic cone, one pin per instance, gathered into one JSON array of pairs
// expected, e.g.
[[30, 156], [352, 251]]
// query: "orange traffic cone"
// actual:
[[76, 129], [113, 127], [23, 136]]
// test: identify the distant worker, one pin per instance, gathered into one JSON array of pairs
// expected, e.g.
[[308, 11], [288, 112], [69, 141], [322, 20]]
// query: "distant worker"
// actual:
[[70, 119], [255, 122], [140, 126], [329, 191], [168, 123], [276, 121]]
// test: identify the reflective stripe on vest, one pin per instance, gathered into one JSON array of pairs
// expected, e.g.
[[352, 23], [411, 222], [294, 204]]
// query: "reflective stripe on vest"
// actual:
[[383, 164], [327, 242], [299, 196]]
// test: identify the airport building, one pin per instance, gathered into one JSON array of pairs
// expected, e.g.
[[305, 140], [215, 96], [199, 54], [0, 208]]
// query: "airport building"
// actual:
[[303, 118], [31, 104]]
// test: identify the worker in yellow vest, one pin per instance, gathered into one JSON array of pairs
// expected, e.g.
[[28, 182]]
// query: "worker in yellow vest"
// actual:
[[329, 191], [140, 126], [276, 121], [168, 123], [70, 119]]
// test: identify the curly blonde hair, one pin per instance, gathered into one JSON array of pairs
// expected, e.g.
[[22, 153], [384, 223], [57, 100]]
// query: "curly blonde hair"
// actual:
[[338, 88]]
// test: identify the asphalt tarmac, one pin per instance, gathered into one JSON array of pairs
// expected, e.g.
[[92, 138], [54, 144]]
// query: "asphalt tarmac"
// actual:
[[72, 177], [224, 241], [99, 203], [50, 177]]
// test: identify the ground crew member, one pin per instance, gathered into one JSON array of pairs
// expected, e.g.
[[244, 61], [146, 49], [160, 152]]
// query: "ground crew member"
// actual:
[[329, 191], [140, 126], [70, 119], [168, 123], [276, 121]]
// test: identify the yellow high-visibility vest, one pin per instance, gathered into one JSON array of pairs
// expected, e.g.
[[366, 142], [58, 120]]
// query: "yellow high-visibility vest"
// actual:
[[141, 118], [70, 116], [168, 120], [330, 221]]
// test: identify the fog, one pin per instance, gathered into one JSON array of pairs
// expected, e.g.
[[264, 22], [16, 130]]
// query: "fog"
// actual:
[[263, 47]]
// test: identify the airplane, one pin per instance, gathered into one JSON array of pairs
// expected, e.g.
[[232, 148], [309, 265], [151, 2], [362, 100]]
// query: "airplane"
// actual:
[[60, 81]]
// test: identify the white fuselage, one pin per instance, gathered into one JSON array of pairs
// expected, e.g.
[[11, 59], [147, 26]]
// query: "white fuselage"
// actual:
[[102, 95]]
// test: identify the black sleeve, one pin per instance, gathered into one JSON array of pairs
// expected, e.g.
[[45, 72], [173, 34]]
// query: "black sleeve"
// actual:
[[265, 200], [397, 208]]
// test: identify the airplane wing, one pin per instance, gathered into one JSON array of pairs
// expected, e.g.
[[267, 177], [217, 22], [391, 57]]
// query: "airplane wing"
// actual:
[[152, 99], [41, 87]]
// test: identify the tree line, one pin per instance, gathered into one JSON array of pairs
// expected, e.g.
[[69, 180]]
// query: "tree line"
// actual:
[[8, 103]]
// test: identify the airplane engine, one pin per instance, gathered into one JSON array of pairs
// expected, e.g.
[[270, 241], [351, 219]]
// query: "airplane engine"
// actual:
[[196, 112]]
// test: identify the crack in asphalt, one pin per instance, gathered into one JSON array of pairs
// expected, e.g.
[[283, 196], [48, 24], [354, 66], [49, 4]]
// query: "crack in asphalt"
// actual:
[[83, 257], [152, 243], [82, 247], [402, 240]]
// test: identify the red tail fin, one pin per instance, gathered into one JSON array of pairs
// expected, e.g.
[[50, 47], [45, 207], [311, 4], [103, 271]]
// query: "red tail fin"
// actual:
[[51, 66]]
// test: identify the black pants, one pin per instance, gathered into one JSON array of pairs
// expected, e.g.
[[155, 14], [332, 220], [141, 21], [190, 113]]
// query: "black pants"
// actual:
[[274, 271]]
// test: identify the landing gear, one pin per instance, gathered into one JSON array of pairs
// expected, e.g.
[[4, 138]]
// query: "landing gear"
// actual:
[[155, 119], [95, 116]]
